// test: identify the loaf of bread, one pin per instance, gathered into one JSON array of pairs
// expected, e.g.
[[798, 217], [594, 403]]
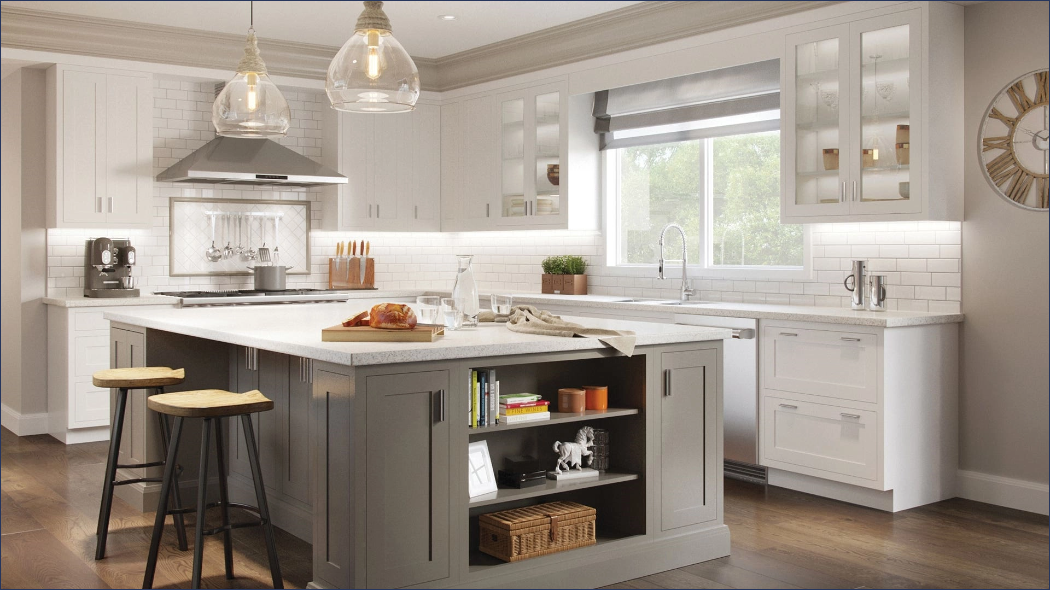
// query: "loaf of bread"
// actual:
[[392, 316]]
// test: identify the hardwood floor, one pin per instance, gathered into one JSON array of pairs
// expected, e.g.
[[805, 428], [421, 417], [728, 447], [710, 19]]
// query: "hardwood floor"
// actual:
[[781, 539]]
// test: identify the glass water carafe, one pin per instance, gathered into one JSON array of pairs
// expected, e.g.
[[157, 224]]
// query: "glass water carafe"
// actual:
[[465, 292]]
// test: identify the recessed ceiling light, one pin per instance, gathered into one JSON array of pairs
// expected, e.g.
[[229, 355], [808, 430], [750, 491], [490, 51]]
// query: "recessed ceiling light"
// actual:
[[447, 16]]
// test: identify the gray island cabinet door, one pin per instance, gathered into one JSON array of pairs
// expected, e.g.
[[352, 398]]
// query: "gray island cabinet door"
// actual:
[[407, 459], [688, 414]]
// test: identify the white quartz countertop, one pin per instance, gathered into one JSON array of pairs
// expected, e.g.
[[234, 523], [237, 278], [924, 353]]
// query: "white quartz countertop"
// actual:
[[296, 330], [110, 301], [764, 311], [153, 299]]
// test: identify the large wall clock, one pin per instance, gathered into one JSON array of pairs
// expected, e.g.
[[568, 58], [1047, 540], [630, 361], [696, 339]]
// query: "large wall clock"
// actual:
[[1014, 142]]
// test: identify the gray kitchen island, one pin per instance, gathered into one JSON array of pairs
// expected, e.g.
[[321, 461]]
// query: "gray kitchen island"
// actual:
[[365, 454]]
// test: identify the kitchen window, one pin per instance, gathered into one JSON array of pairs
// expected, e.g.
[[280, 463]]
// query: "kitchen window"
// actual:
[[708, 159], [724, 191]]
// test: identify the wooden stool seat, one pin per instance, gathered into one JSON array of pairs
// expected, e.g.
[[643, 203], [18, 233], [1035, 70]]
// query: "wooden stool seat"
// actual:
[[209, 403], [138, 377]]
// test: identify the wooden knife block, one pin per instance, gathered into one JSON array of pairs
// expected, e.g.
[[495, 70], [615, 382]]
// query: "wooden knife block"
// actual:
[[345, 273]]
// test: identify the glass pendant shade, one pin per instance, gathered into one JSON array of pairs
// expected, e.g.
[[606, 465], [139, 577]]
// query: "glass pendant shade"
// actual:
[[373, 73], [250, 105]]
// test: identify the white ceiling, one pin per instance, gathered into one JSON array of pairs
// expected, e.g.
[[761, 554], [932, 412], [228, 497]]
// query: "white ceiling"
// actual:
[[416, 24]]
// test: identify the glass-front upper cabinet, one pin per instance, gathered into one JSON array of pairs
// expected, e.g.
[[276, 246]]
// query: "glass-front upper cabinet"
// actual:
[[533, 143], [885, 62], [816, 136], [850, 119]]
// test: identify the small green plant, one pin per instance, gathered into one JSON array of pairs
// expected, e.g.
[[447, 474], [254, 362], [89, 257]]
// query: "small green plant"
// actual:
[[553, 265], [564, 265], [573, 265]]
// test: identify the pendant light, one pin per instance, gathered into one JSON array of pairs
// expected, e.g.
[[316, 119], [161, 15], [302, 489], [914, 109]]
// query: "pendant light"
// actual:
[[372, 73], [250, 105]]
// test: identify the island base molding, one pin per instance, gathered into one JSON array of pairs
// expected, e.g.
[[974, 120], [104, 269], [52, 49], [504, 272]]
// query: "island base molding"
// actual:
[[608, 563], [888, 500]]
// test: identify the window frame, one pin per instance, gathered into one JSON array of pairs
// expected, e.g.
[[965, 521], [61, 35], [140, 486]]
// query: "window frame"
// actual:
[[610, 186]]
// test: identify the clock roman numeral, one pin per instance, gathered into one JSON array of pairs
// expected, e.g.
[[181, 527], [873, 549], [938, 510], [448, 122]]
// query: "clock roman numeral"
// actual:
[[997, 114], [1043, 188], [1018, 190], [1042, 87], [1001, 167], [1019, 97], [996, 143]]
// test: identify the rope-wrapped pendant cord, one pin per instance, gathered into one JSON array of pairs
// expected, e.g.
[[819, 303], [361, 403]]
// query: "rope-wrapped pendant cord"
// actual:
[[252, 61], [373, 17]]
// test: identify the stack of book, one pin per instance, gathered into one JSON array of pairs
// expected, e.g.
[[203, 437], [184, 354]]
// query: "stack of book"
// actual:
[[523, 407], [484, 398]]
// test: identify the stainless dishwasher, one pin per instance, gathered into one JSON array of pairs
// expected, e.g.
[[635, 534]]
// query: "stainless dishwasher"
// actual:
[[740, 394]]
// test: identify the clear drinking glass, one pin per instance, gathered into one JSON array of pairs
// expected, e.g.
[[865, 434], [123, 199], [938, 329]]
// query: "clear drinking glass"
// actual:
[[501, 304], [451, 313], [428, 308], [465, 291]]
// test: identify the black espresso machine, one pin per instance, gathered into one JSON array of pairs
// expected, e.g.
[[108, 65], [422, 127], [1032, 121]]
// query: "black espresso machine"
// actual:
[[107, 268]]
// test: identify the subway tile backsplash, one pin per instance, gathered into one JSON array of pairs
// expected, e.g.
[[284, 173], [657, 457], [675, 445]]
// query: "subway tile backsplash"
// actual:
[[921, 259]]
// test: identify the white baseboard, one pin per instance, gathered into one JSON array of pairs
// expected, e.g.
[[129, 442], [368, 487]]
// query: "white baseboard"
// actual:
[[1004, 491], [23, 424]]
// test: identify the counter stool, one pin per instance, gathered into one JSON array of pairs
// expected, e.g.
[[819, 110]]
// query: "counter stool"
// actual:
[[122, 380], [212, 405]]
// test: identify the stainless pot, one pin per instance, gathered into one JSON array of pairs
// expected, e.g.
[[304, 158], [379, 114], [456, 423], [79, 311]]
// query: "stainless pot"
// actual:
[[270, 278]]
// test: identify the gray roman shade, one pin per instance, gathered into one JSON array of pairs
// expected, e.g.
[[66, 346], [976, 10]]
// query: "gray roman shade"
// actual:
[[669, 110]]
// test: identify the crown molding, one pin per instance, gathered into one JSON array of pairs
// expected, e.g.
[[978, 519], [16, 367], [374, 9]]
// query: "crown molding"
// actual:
[[639, 25]]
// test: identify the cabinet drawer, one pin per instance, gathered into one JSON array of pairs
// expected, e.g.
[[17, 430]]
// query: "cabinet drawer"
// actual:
[[841, 365], [827, 438], [85, 321], [91, 354], [90, 406]]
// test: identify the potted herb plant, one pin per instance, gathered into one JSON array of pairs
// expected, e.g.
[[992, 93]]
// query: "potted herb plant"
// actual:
[[564, 275]]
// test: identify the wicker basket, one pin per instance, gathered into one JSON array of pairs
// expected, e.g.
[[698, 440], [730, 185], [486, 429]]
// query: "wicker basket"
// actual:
[[521, 533]]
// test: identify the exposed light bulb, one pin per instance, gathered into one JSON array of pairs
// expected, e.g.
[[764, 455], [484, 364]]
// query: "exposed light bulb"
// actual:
[[374, 69], [252, 79], [875, 154]]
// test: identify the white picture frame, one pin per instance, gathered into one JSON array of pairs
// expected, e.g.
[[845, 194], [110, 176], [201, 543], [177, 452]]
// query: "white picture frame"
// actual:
[[480, 476]]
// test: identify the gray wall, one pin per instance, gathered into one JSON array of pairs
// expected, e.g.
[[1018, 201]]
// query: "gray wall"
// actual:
[[23, 333], [1005, 382]]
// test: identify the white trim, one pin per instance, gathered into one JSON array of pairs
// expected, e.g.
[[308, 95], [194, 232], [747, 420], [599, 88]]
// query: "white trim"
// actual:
[[23, 424], [1004, 491]]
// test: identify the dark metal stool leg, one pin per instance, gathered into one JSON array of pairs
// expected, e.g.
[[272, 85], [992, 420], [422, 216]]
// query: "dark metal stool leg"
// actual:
[[116, 429], [158, 522], [202, 504], [260, 494], [224, 498], [176, 496]]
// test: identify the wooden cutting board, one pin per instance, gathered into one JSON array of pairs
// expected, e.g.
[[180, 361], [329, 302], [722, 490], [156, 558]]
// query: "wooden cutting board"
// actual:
[[369, 334]]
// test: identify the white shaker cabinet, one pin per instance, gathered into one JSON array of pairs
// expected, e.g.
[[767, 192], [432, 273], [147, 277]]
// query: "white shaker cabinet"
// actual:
[[99, 155], [393, 169], [862, 414], [872, 117], [469, 164]]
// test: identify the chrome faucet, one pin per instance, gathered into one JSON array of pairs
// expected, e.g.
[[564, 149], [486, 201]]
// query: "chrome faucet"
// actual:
[[687, 287]]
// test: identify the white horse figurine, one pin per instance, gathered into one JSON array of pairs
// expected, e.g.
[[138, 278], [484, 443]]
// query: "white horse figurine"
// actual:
[[571, 454]]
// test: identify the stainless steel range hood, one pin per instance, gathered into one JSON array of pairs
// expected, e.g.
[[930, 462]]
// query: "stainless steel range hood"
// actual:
[[233, 160]]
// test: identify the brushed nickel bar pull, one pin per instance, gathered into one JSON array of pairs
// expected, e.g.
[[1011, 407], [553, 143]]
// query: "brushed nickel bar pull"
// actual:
[[377, 210], [789, 406], [848, 339], [842, 196], [788, 334], [856, 197], [845, 415], [486, 209], [667, 382], [110, 199], [415, 213], [98, 204]]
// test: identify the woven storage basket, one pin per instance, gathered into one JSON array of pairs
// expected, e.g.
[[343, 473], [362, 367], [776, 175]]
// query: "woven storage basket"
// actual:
[[521, 533]]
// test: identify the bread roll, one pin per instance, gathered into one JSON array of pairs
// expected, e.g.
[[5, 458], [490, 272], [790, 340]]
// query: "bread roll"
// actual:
[[392, 316]]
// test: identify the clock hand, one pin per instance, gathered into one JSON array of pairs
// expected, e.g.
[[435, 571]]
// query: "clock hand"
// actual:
[[1032, 133]]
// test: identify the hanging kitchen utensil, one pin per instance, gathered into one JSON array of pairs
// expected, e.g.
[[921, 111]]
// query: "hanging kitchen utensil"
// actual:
[[251, 249], [227, 252], [276, 232], [240, 238], [264, 252], [213, 254]]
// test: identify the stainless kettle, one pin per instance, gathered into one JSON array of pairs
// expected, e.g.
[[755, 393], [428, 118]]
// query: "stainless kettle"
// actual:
[[854, 283]]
